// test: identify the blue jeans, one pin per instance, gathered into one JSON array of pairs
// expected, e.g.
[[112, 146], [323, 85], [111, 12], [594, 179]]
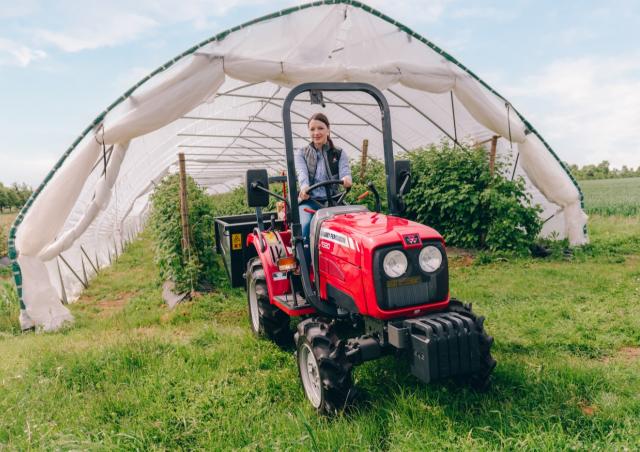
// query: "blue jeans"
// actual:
[[305, 223]]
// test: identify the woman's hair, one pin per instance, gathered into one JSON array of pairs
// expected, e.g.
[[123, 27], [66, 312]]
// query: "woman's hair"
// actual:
[[322, 118]]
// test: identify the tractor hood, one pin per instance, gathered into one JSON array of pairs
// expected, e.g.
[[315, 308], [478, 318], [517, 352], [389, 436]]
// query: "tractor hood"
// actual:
[[371, 230], [371, 224]]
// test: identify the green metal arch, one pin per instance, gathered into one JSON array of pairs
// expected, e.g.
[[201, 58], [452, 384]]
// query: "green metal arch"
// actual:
[[218, 37]]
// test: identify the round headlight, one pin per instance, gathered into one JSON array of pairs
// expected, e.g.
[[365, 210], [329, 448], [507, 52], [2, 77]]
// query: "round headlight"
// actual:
[[395, 264], [430, 259]]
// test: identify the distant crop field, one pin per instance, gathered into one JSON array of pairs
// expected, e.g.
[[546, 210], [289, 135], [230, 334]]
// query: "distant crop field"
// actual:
[[6, 219], [612, 196]]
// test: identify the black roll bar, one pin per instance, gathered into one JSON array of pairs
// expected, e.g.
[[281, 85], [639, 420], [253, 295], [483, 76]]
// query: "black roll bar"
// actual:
[[296, 229], [387, 141]]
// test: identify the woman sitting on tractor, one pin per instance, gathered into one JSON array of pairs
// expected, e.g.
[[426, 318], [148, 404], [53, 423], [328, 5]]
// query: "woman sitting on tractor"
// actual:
[[319, 161]]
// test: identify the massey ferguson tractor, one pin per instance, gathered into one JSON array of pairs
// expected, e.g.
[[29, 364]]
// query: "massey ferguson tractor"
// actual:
[[376, 284]]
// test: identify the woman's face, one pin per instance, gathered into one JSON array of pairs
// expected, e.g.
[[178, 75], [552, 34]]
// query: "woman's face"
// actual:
[[318, 132]]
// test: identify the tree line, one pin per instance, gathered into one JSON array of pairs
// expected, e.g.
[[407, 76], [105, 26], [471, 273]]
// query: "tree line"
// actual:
[[602, 170], [14, 196]]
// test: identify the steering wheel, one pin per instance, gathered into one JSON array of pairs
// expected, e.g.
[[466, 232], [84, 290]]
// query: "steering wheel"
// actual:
[[336, 199]]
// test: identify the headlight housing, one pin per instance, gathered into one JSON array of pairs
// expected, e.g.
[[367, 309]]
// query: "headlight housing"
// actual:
[[430, 259], [395, 264]]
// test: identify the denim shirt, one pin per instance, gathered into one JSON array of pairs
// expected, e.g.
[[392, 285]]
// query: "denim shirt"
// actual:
[[321, 172]]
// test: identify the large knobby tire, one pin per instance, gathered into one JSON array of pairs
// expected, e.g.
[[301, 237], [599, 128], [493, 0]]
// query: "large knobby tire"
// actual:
[[265, 319], [325, 371], [480, 380]]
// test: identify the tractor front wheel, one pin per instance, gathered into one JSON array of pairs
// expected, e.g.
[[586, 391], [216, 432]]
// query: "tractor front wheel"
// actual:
[[266, 320], [325, 371]]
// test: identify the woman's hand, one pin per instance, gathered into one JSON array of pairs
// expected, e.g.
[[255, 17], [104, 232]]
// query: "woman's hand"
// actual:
[[346, 180], [303, 193]]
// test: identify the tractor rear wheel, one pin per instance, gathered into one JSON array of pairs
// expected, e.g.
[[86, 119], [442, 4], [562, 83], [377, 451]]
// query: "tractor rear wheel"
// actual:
[[265, 319], [325, 371], [480, 380]]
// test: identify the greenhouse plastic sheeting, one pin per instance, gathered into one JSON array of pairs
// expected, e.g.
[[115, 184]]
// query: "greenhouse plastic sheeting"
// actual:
[[220, 104]]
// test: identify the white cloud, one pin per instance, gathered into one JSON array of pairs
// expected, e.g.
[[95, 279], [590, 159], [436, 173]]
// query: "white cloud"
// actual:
[[484, 12], [16, 54], [572, 36], [193, 10], [17, 9], [108, 24], [113, 30], [25, 167], [588, 108], [411, 11]]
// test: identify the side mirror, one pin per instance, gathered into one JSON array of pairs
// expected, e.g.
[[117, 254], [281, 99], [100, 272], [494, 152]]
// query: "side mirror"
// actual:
[[257, 179], [403, 176]]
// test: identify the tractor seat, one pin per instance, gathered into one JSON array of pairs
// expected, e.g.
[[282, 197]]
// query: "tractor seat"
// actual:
[[322, 215]]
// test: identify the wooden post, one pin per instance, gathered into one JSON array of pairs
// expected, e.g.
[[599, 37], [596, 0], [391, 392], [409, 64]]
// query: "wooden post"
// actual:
[[184, 210], [363, 163], [63, 291], [492, 155]]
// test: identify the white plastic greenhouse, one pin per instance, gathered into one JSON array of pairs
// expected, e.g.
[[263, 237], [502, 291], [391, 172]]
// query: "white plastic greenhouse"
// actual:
[[220, 104]]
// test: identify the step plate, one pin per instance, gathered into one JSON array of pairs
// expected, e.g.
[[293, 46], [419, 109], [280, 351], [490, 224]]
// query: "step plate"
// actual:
[[287, 303]]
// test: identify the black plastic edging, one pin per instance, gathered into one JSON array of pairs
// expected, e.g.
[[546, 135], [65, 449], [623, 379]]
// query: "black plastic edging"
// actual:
[[218, 37]]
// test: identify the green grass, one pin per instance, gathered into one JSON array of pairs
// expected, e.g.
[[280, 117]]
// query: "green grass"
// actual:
[[9, 310], [612, 196], [132, 375]]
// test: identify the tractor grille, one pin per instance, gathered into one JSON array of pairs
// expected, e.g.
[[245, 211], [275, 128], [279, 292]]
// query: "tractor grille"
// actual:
[[414, 287]]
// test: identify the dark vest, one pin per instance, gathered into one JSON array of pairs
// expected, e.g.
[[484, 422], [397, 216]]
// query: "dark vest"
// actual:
[[333, 158]]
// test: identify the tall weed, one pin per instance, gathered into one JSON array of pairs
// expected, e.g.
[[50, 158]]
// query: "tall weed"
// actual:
[[197, 266]]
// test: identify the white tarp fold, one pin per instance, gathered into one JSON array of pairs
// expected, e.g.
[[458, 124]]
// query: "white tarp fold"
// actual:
[[51, 208], [489, 110], [99, 203], [179, 96]]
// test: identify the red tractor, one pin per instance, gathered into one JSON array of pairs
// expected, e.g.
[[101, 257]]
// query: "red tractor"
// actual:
[[377, 283]]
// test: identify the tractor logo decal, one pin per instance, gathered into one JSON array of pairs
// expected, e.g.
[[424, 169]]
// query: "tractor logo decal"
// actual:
[[337, 237], [411, 240]]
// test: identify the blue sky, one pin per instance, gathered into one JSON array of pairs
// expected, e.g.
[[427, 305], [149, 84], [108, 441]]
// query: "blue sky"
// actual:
[[571, 67]]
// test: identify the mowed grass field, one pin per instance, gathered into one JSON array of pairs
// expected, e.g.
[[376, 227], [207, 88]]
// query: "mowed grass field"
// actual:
[[612, 196], [130, 374]]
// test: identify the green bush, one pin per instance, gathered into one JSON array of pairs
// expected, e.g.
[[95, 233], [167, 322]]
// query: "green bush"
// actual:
[[601, 171], [14, 197], [233, 202], [454, 192], [198, 266], [374, 172]]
